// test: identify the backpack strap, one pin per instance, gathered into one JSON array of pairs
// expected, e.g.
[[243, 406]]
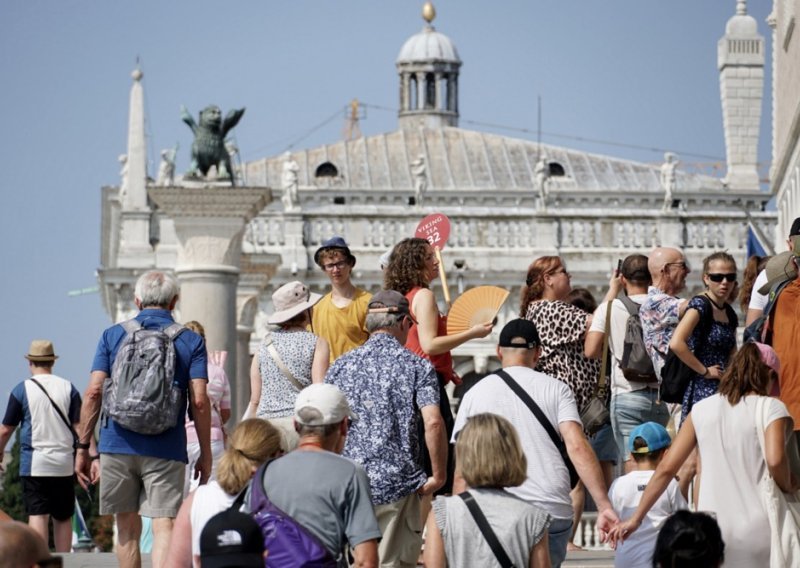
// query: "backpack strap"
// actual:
[[174, 330], [630, 305], [486, 529], [131, 325]]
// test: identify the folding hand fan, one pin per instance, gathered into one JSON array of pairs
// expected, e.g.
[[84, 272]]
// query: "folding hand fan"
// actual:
[[477, 305]]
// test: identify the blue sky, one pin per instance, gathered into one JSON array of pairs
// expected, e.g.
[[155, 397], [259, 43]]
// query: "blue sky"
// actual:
[[636, 72]]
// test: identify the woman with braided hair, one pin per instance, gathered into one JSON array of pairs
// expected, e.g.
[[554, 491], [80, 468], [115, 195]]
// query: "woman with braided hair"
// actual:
[[254, 442]]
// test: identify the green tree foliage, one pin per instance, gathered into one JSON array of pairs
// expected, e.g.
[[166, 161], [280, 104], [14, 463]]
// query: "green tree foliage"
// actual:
[[11, 496]]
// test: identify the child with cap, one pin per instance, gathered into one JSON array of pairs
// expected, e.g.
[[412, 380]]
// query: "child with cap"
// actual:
[[648, 444]]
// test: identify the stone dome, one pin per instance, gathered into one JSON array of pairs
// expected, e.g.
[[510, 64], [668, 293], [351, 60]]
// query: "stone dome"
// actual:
[[742, 25], [428, 45]]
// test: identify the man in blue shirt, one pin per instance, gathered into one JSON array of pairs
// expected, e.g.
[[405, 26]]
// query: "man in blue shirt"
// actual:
[[385, 384], [144, 474]]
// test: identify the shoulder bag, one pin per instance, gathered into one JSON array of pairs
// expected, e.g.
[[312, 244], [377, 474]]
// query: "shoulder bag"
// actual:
[[595, 414], [486, 529], [675, 374], [276, 358], [60, 415], [537, 412], [783, 509]]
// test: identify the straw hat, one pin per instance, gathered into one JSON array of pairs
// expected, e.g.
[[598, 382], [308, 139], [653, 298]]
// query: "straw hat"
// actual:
[[41, 351], [291, 299]]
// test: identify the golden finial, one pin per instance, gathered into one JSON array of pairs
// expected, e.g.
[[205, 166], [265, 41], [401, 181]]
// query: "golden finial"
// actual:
[[428, 12]]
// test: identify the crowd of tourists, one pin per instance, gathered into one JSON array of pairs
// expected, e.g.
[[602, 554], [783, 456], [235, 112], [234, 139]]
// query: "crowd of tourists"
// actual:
[[349, 454]]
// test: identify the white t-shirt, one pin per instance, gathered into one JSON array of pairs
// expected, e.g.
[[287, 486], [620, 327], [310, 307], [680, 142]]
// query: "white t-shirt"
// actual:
[[616, 341], [547, 485], [625, 495], [733, 464], [208, 500], [758, 301]]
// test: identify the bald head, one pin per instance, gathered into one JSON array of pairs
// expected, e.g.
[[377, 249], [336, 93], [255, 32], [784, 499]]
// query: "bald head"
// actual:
[[20, 546], [668, 269]]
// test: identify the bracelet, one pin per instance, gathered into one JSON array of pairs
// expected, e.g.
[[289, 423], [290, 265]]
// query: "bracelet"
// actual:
[[80, 446], [92, 458], [705, 373]]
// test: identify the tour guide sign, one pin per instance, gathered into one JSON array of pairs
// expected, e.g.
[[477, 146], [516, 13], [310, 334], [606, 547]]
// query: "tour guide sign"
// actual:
[[435, 228]]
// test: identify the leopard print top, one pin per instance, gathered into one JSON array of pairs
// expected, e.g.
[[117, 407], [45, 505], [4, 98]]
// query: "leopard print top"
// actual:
[[561, 328]]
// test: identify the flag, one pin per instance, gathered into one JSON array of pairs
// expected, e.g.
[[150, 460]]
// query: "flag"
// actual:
[[756, 244]]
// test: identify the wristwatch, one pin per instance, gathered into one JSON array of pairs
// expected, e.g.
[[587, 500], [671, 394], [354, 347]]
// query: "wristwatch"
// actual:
[[80, 446]]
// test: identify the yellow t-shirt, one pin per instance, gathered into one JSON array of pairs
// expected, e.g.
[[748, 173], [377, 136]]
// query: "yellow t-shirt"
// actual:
[[342, 328]]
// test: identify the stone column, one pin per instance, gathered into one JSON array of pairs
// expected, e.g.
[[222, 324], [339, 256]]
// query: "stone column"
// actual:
[[252, 281], [209, 224]]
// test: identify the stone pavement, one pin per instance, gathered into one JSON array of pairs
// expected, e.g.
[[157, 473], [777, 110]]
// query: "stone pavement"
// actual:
[[585, 559]]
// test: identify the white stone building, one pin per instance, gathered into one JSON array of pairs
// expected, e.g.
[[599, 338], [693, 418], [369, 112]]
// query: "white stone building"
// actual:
[[509, 200], [785, 172]]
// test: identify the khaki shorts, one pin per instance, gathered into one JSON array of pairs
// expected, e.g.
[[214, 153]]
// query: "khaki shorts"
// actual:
[[401, 532], [153, 487]]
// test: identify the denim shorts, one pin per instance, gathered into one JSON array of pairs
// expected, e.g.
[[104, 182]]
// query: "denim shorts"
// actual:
[[604, 445], [630, 409]]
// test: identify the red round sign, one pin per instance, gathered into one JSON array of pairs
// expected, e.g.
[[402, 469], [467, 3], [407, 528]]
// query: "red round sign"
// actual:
[[435, 228]]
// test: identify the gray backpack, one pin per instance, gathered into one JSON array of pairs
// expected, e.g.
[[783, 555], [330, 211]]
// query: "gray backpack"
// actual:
[[141, 394], [635, 364]]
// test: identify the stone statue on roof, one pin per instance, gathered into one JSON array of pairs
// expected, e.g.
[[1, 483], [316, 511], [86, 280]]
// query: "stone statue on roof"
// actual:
[[289, 182], [541, 174], [420, 173], [166, 169], [669, 178], [208, 148]]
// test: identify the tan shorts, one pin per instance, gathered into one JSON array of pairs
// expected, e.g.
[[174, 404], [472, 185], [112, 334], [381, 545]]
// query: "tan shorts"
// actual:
[[153, 487], [401, 532]]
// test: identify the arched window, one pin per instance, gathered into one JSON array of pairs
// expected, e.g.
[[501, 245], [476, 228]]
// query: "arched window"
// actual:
[[556, 169], [413, 93], [430, 91], [326, 169]]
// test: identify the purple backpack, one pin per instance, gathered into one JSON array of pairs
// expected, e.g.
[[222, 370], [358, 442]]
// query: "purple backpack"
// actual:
[[287, 544]]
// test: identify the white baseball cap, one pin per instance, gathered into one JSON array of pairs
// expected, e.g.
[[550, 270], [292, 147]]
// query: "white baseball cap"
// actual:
[[320, 405]]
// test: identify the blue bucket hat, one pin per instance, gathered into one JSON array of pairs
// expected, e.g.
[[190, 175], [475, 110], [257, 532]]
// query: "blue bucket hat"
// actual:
[[335, 243]]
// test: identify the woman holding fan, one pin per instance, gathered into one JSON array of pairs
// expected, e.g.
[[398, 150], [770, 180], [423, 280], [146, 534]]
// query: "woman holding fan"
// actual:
[[412, 267]]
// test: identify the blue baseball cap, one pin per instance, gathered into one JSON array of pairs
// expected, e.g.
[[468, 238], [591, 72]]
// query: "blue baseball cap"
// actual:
[[654, 434]]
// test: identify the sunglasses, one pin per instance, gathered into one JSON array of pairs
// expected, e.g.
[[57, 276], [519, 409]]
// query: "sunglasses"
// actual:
[[730, 277]]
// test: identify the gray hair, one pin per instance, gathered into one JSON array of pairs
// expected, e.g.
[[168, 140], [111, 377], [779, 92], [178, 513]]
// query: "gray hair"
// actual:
[[378, 321], [156, 288]]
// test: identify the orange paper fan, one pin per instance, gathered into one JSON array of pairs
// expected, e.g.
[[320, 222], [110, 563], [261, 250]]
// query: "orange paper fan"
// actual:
[[477, 305]]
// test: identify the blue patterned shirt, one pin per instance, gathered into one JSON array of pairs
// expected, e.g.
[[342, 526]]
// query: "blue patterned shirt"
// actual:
[[660, 314], [384, 384]]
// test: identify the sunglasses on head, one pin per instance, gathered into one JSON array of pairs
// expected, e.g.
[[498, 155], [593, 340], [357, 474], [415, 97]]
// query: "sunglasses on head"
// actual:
[[730, 277]]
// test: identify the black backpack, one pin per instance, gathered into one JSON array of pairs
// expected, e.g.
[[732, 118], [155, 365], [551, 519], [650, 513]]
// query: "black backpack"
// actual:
[[635, 363], [761, 329]]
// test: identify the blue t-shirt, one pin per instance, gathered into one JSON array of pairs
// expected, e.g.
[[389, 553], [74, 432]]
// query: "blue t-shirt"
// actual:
[[190, 363]]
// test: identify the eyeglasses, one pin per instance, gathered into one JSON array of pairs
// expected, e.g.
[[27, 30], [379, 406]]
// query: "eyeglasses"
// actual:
[[730, 277], [683, 265], [334, 265], [561, 270]]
